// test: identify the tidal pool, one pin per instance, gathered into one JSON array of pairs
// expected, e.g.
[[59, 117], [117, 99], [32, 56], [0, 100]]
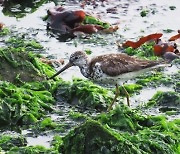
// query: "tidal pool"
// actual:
[[159, 19]]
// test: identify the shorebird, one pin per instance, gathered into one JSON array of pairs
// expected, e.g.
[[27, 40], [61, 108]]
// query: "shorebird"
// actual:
[[109, 68]]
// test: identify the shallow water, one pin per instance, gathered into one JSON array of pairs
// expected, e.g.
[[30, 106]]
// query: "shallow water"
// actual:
[[146, 94], [131, 26]]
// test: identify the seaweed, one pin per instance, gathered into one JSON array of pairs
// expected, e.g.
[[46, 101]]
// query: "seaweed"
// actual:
[[21, 105], [19, 41], [8, 141], [114, 134], [84, 93], [4, 31], [169, 99], [47, 123], [19, 9], [145, 51], [92, 137], [18, 65], [92, 20], [155, 78], [124, 119], [31, 150]]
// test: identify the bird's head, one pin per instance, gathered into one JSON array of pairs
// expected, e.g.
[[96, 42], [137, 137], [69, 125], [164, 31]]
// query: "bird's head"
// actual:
[[78, 58]]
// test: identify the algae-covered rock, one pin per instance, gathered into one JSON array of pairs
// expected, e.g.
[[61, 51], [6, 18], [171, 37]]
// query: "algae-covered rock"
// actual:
[[92, 137], [85, 94], [20, 63], [124, 119], [31, 150], [170, 99], [20, 66], [7, 142]]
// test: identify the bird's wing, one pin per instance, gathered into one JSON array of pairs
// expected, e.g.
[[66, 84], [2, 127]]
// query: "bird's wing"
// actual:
[[116, 64]]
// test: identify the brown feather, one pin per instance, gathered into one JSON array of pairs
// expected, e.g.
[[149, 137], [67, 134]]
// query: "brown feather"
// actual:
[[116, 64]]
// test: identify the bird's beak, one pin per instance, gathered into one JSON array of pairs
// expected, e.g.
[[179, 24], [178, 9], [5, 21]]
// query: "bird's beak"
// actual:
[[61, 70]]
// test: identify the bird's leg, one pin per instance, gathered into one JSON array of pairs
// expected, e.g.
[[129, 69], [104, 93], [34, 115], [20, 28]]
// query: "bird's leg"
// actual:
[[117, 93], [127, 95]]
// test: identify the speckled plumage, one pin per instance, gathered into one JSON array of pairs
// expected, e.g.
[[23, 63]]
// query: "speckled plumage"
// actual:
[[111, 67]]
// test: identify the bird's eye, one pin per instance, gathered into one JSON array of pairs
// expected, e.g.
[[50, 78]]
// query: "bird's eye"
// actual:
[[75, 57]]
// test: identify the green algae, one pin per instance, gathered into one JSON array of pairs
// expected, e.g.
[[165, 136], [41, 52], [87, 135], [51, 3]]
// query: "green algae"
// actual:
[[177, 87], [95, 39], [18, 41], [145, 51], [57, 142], [22, 105], [124, 119], [21, 65], [92, 20], [16, 63], [25, 104], [47, 123], [25, 95], [123, 131], [144, 13], [169, 98], [20, 9], [86, 94], [77, 115], [130, 88], [4, 31], [8, 141], [150, 141], [153, 78], [92, 137], [31, 150], [89, 95]]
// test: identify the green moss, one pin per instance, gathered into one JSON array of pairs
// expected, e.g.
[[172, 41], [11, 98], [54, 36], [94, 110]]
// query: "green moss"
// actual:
[[7, 142], [84, 93]]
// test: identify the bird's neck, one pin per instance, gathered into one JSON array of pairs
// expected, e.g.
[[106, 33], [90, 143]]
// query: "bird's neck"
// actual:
[[85, 70]]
